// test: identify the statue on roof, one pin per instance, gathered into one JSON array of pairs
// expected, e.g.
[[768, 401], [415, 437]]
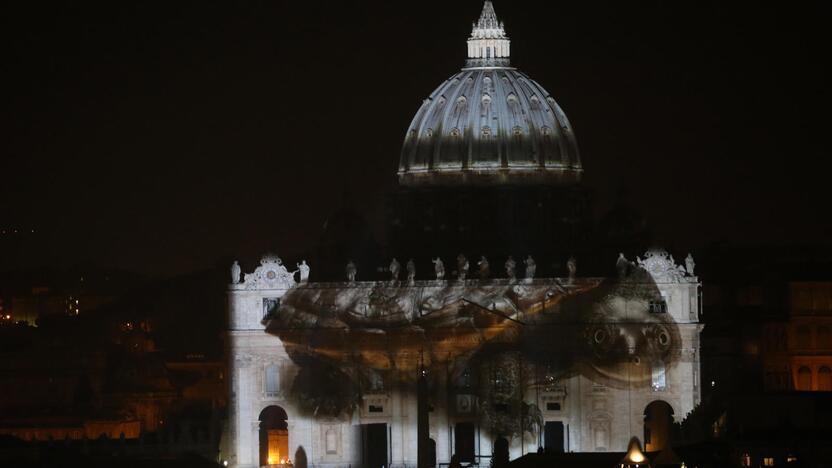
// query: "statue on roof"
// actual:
[[395, 269], [439, 268], [352, 271], [572, 268], [411, 272], [462, 267], [510, 266], [303, 268], [689, 264], [621, 265], [485, 269], [531, 267], [235, 272]]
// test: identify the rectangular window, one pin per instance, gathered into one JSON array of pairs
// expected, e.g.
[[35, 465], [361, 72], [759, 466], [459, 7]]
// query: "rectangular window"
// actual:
[[272, 380], [658, 307], [270, 306], [768, 461], [659, 377], [376, 409], [552, 406]]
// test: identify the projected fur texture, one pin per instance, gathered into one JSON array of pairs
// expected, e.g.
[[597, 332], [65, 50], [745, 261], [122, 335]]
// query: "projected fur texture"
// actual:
[[488, 338]]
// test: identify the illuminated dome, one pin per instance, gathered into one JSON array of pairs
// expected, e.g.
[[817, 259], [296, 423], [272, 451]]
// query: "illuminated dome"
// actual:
[[489, 124]]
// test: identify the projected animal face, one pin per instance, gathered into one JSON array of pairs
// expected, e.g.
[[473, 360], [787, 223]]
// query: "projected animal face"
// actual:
[[376, 335]]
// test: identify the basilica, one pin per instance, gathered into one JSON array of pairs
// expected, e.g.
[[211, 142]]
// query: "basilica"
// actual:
[[484, 341]]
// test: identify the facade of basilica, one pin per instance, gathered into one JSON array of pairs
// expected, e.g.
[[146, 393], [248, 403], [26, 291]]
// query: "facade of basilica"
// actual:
[[475, 359]]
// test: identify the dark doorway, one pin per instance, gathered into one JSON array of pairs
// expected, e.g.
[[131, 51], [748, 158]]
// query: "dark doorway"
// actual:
[[464, 442], [375, 445], [432, 453], [658, 422], [553, 437]]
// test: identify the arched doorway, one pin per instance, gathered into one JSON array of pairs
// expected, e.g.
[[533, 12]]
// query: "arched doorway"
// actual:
[[658, 422], [274, 436]]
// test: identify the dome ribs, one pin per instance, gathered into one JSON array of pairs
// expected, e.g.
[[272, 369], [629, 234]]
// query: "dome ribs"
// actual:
[[490, 124]]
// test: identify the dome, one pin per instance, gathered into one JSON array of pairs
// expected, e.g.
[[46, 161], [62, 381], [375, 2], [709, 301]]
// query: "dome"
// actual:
[[489, 124]]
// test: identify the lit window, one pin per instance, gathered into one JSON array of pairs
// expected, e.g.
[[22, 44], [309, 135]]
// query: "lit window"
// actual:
[[659, 376], [768, 461], [745, 460]]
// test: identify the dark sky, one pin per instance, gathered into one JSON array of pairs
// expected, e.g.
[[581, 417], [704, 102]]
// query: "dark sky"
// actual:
[[163, 136]]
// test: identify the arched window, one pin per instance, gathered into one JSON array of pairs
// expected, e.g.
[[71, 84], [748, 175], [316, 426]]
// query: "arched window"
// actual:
[[486, 132], [825, 379], [804, 379]]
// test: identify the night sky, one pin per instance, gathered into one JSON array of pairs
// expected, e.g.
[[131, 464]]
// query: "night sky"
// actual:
[[163, 137]]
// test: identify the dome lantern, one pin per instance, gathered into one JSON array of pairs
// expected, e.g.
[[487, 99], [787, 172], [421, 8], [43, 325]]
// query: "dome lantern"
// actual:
[[488, 44]]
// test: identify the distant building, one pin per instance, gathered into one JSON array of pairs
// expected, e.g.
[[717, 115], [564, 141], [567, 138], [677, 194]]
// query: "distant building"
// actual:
[[797, 352]]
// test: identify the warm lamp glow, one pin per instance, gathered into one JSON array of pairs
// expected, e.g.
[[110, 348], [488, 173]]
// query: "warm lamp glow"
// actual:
[[634, 456]]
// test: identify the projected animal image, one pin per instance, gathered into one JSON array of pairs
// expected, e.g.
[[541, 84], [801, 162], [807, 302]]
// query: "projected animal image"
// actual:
[[488, 339]]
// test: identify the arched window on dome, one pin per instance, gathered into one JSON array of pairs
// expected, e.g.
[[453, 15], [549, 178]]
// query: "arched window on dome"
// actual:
[[517, 132], [428, 133], [486, 105], [486, 153], [534, 103], [455, 132], [548, 149]]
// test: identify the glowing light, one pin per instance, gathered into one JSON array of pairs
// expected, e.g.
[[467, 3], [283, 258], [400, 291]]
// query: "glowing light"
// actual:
[[225, 463], [634, 456]]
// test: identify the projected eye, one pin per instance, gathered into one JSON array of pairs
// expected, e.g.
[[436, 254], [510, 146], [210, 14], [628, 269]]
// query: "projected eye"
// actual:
[[660, 335], [602, 338]]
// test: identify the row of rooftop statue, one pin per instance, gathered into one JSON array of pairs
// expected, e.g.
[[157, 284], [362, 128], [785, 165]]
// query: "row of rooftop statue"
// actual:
[[463, 267]]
